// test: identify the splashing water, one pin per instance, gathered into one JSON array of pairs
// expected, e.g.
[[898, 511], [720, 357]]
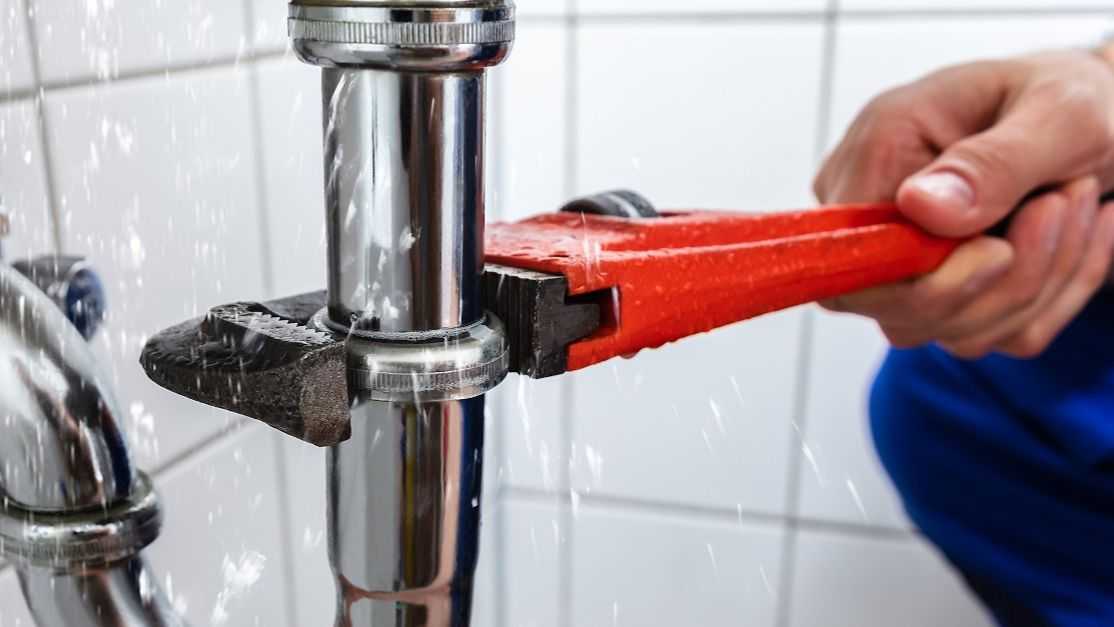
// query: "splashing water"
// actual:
[[239, 577]]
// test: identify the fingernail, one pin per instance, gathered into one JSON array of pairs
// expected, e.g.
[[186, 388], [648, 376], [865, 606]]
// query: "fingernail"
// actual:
[[946, 188]]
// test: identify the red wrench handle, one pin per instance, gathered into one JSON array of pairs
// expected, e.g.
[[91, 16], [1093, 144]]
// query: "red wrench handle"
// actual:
[[663, 279]]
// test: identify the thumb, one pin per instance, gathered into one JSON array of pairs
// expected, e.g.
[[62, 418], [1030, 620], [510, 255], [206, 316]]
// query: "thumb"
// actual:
[[979, 180]]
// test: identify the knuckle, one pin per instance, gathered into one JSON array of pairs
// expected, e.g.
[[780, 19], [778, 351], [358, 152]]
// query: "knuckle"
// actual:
[[1030, 343], [968, 350]]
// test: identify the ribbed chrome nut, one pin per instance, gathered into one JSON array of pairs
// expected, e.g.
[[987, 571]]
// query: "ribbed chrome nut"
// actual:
[[454, 365], [428, 36], [70, 542]]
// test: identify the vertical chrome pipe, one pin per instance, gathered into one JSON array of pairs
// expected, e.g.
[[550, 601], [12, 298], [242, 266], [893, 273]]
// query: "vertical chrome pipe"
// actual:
[[403, 96], [404, 198]]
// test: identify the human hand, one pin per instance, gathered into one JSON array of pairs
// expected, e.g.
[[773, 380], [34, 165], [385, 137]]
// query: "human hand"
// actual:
[[959, 151]]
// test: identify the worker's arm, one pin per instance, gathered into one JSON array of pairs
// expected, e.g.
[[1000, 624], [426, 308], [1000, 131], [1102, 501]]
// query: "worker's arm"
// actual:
[[960, 150]]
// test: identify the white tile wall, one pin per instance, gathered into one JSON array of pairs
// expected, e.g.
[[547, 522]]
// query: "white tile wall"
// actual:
[[529, 94], [650, 569], [154, 179], [535, 538], [308, 546], [83, 39], [851, 581], [15, 51], [268, 28], [841, 478], [220, 555], [23, 190], [645, 492], [704, 422], [293, 175], [711, 128]]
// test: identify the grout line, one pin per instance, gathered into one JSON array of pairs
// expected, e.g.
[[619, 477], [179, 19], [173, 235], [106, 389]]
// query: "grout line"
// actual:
[[808, 332], [132, 75], [976, 13], [568, 389], [262, 197], [202, 446], [44, 127], [688, 513]]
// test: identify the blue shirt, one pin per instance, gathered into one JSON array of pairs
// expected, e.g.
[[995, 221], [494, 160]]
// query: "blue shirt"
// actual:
[[1008, 466]]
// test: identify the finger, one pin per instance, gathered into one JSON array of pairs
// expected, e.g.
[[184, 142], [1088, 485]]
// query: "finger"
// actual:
[[1092, 275], [1035, 235], [977, 181], [873, 159], [1076, 235], [929, 300]]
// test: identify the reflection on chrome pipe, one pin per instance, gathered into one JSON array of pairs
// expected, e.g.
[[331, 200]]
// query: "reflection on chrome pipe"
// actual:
[[403, 96], [404, 515], [403, 198], [61, 443], [124, 594]]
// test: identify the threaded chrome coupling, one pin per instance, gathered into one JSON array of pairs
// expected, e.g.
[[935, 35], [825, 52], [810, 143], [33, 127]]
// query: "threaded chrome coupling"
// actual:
[[440, 36]]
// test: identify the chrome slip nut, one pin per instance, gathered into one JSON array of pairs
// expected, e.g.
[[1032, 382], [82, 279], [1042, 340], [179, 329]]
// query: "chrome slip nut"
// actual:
[[449, 365], [74, 541], [436, 35]]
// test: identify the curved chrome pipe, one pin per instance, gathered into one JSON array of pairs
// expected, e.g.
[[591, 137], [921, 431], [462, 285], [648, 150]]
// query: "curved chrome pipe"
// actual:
[[74, 513], [124, 594], [62, 445]]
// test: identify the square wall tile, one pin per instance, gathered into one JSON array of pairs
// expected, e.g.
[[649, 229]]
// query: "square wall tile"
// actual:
[[529, 98], [155, 178], [84, 39], [916, 49], [858, 581], [293, 174], [697, 7], [23, 191], [841, 478], [635, 570], [535, 537], [729, 124], [703, 422], [220, 557], [15, 49], [13, 609]]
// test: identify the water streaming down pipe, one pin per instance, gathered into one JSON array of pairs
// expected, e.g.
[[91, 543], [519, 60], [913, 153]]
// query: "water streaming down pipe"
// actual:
[[74, 512], [403, 101]]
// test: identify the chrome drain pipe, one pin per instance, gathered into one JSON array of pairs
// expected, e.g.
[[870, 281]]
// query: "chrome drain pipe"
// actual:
[[74, 512], [403, 102]]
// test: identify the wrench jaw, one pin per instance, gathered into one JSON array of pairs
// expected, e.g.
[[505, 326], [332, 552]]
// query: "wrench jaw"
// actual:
[[274, 362], [260, 360]]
